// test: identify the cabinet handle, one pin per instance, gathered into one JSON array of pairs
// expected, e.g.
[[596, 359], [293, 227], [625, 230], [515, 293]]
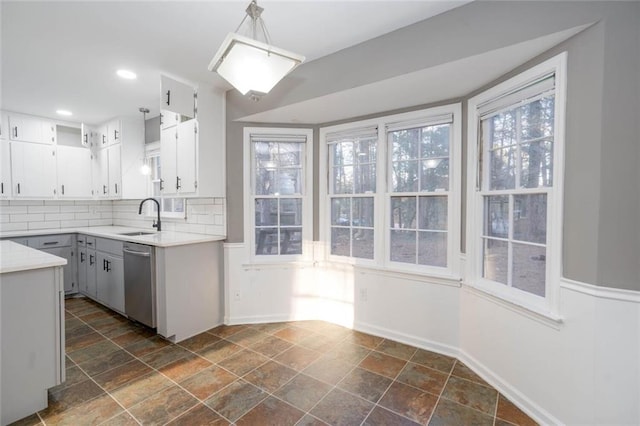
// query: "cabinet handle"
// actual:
[[91, 261], [62, 189], [108, 268], [161, 184], [161, 116], [116, 185], [178, 186], [51, 243], [81, 257], [18, 188], [168, 98], [115, 135], [2, 187], [15, 132], [104, 189], [86, 138], [104, 139]]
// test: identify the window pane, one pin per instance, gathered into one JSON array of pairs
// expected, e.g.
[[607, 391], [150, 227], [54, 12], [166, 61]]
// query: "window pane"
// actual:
[[266, 212], [265, 181], [502, 129], [530, 218], [341, 211], [434, 175], [363, 243], [365, 178], [342, 180], [432, 248], [529, 268], [502, 168], [435, 141], [340, 244], [405, 176], [403, 212], [495, 261], [155, 189], [178, 205], [536, 164], [290, 240], [433, 213], [289, 154], [403, 246], [342, 153], [496, 216], [366, 151], [290, 212], [289, 181], [405, 144], [363, 211], [536, 119], [266, 241]]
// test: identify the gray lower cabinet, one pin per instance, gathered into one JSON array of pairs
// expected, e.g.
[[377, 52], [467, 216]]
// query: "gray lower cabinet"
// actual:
[[62, 245], [101, 270], [110, 281]]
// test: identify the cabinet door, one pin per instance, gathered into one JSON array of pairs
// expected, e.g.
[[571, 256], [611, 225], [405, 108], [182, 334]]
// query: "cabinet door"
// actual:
[[83, 261], [115, 172], [33, 170], [25, 128], [168, 153], [113, 132], [87, 134], [177, 97], [110, 283], [74, 172], [68, 270], [100, 173], [168, 119], [186, 157], [102, 136], [5, 169], [92, 273]]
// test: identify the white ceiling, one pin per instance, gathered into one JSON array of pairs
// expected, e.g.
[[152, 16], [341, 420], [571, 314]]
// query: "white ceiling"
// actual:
[[63, 55]]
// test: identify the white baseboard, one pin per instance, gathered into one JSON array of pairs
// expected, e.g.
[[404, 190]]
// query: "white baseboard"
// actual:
[[532, 409], [408, 339]]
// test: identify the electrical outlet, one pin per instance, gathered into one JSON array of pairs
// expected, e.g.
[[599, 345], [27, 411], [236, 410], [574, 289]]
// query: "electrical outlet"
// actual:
[[363, 294]]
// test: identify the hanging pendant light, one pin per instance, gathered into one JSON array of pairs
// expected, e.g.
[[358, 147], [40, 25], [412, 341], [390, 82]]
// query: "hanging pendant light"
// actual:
[[250, 65]]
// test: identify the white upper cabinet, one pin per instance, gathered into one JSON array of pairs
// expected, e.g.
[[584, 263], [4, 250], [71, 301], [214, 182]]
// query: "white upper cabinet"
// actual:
[[33, 170], [100, 172], [5, 169], [186, 158], [27, 128], [177, 97], [114, 133], [74, 172], [168, 154], [89, 136], [168, 119], [115, 171]]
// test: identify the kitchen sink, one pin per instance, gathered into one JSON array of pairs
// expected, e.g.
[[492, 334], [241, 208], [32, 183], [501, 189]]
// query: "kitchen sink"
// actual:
[[137, 233]]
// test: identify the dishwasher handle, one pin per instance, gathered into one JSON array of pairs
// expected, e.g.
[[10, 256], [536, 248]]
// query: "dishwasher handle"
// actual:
[[137, 253]]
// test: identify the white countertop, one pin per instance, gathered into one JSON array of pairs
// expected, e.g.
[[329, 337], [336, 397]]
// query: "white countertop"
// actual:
[[157, 239], [16, 257]]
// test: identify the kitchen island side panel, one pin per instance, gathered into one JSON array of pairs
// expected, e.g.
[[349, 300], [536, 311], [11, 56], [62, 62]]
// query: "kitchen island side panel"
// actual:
[[188, 289]]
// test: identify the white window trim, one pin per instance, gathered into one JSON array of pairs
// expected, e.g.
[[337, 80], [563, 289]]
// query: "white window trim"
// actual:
[[547, 306], [382, 199], [153, 150], [307, 198]]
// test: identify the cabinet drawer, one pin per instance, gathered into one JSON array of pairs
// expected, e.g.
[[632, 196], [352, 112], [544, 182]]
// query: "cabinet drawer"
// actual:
[[81, 240], [109, 246], [90, 241], [50, 241]]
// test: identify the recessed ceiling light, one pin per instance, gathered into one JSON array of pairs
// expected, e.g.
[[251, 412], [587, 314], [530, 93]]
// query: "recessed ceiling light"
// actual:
[[126, 74], [64, 112]]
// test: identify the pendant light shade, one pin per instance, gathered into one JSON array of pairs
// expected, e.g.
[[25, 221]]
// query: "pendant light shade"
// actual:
[[249, 65]]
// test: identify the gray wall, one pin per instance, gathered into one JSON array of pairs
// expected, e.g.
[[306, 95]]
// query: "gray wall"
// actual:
[[602, 179]]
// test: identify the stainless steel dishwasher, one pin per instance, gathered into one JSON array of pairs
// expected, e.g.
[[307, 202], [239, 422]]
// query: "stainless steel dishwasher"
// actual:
[[140, 283]]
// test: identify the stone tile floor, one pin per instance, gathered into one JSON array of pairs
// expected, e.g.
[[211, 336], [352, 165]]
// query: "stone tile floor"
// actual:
[[295, 373]]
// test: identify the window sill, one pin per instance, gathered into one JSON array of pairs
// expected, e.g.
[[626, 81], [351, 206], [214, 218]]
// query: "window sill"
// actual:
[[542, 316]]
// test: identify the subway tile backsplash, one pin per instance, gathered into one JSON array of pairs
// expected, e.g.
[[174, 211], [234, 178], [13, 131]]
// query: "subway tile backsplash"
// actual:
[[203, 215]]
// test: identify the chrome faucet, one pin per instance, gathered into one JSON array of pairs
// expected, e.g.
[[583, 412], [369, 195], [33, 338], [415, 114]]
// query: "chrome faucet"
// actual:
[[156, 224]]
